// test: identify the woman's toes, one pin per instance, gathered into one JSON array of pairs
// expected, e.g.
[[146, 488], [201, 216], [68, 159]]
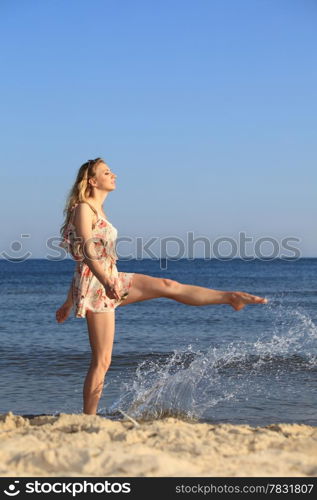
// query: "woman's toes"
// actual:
[[240, 299], [262, 300]]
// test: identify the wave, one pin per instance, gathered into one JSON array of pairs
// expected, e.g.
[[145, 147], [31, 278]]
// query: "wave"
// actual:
[[188, 383]]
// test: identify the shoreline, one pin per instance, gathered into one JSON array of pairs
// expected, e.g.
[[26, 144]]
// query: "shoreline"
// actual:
[[182, 418], [90, 445]]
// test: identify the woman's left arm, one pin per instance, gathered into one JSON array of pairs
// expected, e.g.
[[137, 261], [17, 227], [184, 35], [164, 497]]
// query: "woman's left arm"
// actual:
[[69, 299], [64, 311]]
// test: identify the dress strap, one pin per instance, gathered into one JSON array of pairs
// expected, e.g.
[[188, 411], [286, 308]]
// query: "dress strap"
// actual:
[[92, 208]]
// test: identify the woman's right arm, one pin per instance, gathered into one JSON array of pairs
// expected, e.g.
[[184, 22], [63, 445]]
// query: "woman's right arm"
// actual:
[[83, 222]]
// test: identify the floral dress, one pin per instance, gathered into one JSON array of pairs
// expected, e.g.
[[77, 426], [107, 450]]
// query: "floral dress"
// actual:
[[88, 293]]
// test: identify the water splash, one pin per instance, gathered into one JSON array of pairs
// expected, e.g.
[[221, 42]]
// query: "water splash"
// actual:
[[188, 383]]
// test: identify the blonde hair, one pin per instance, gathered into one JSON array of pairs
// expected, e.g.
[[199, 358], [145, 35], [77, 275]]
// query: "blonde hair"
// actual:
[[80, 190]]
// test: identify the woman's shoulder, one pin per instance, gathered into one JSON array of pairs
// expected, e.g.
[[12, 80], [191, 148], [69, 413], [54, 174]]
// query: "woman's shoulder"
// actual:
[[84, 206], [86, 210]]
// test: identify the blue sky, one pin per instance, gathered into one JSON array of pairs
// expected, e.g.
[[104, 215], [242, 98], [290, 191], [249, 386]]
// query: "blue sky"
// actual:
[[206, 110]]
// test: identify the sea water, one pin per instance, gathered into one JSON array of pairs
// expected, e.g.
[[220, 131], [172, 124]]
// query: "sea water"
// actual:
[[210, 363]]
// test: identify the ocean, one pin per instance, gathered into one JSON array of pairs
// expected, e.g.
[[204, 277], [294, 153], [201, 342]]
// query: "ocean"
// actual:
[[209, 363]]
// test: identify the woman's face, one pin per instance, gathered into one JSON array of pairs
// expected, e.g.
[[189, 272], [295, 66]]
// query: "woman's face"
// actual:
[[106, 180]]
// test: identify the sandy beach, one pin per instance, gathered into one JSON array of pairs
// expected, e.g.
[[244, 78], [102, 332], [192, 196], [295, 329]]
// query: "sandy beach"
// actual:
[[86, 445]]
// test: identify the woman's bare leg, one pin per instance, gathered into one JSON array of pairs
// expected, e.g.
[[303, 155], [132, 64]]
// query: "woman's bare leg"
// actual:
[[146, 287], [201, 296], [101, 328]]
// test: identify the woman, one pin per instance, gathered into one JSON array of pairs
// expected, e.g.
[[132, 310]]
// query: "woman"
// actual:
[[98, 288]]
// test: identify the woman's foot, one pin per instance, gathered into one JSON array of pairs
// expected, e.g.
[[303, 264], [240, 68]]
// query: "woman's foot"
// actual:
[[238, 300]]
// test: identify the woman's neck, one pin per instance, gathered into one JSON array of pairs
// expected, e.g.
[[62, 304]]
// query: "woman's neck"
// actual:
[[97, 204]]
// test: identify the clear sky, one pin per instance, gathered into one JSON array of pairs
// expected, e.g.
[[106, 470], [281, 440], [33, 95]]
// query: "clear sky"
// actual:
[[205, 109]]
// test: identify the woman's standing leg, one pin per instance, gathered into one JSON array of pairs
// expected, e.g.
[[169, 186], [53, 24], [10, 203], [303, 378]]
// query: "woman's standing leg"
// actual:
[[101, 329]]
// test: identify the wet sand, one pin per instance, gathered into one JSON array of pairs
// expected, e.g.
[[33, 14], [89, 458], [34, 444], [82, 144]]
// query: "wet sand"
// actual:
[[87, 445]]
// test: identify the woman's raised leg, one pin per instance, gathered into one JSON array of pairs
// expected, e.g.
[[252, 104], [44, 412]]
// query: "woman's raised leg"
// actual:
[[101, 329], [146, 287]]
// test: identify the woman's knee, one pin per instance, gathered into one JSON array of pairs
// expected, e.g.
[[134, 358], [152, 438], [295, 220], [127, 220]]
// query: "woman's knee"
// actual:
[[170, 286], [168, 282], [101, 363]]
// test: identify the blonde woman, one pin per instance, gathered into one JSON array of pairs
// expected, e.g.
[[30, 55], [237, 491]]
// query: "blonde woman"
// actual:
[[98, 288]]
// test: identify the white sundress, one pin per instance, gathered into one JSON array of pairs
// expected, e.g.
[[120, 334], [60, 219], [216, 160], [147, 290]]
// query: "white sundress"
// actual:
[[88, 293]]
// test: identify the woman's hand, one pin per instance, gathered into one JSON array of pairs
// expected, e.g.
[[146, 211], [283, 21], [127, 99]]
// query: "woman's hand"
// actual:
[[63, 312], [112, 289]]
